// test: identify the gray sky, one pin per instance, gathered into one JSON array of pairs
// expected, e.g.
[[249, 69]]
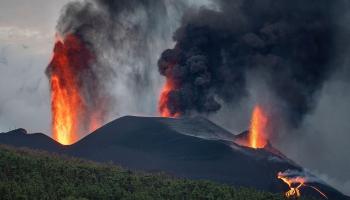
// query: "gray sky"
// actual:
[[27, 30]]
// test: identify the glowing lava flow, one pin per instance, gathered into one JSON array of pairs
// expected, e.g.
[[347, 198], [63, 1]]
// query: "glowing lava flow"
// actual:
[[163, 100], [293, 191], [298, 182], [70, 113]]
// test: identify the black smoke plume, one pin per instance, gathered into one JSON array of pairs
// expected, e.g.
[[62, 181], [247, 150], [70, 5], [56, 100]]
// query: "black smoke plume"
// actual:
[[289, 43]]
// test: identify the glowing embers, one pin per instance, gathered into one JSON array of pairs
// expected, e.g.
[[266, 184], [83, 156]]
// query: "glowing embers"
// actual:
[[295, 183], [257, 135]]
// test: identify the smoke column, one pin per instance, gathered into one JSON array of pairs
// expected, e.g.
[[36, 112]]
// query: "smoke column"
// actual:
[[288, 44], [102, 61]]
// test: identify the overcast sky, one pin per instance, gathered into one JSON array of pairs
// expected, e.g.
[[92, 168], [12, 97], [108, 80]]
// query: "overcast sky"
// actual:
[[27, 30]]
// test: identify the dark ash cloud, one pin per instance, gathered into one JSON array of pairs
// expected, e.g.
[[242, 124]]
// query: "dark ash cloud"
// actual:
[[288, 43]]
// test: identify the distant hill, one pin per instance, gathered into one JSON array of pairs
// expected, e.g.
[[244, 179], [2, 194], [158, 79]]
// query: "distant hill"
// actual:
[[28, 174], [192, 148], [21, 138]]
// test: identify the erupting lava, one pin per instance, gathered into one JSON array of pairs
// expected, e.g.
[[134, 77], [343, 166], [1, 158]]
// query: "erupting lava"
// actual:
[[163, 100], [257, 135], [69, 108], [64, 112], [295, 185], [257, 132]]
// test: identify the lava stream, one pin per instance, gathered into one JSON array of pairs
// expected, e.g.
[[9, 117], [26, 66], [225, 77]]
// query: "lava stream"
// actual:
[[294, 191]]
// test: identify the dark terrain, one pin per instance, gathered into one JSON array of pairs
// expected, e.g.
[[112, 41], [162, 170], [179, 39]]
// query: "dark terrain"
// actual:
[[192, 148], [33, 174]]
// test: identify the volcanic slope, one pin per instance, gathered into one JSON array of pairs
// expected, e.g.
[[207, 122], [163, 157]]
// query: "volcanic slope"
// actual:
[[31, 174], [192, 148]]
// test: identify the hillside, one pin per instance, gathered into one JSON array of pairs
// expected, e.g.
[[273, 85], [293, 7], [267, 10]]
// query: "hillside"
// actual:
[[29, 174], [189, 148], [186, 148]]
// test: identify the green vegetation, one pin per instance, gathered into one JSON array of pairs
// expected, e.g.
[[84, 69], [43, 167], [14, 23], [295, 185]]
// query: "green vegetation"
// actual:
[[29, 174]]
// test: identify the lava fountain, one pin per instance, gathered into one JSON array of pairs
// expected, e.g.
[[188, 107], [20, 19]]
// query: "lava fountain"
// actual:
[[71, 113], [163, 108], [257, 135]]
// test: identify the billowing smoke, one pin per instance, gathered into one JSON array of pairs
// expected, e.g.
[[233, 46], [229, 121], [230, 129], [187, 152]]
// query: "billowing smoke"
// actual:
[[287, 43], [126, 36], [103, 45]]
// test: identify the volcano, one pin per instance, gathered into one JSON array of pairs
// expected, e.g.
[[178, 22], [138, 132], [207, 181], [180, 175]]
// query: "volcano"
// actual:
[[193, 148]]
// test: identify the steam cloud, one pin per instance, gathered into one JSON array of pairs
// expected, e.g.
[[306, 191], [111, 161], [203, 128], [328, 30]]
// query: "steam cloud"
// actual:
[[288, 43]]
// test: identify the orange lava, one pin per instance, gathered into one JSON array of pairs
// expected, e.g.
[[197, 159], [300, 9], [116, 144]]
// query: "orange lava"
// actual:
[[295, 185], [293, 191], [257, 135], [64, 112], [163, 100], [69, 110]]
